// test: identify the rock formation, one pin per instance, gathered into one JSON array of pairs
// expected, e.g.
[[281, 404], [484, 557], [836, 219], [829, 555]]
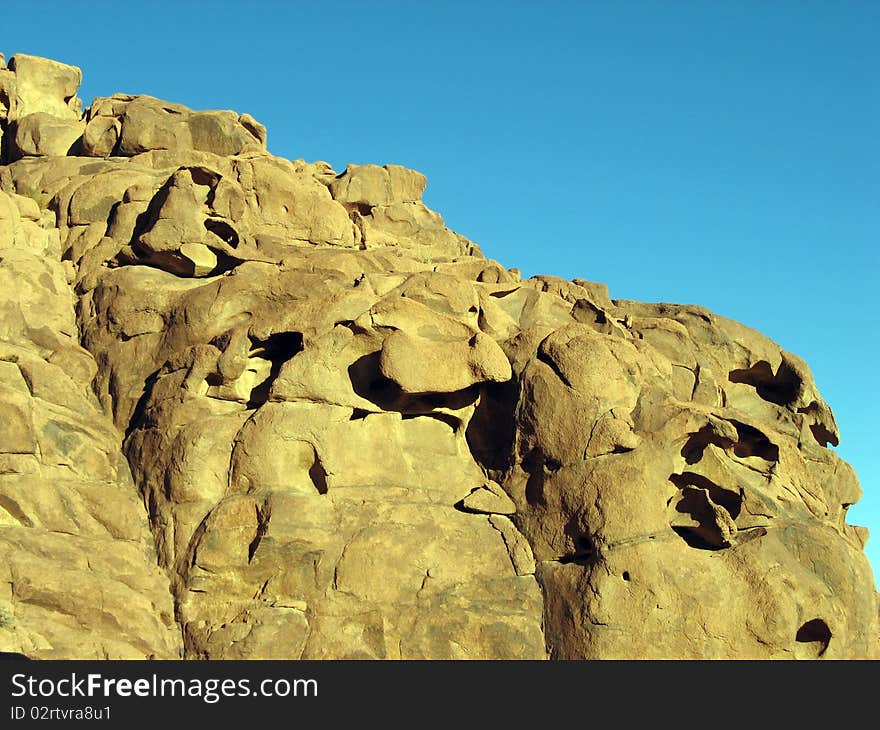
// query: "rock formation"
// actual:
[[256, 408]]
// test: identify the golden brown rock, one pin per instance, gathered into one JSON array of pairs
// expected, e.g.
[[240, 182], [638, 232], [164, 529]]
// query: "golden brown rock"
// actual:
[[41, 134], [256, 409]]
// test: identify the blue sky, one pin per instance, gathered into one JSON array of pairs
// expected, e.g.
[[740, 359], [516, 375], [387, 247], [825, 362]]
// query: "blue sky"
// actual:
[[724, 154]]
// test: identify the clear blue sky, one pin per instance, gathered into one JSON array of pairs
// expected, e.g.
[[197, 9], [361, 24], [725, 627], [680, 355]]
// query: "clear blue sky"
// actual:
[[707, 152]]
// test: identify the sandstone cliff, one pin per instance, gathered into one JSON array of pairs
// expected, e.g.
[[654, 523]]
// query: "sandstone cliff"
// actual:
[[256, 408]]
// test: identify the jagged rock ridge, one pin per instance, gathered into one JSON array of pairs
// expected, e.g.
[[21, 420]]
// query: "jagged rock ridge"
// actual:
[[254, 408]]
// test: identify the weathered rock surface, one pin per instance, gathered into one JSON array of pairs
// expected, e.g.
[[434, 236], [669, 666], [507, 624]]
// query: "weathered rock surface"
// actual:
[[253, 408]]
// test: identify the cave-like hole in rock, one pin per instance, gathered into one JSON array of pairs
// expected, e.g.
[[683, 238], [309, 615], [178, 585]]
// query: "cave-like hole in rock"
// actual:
[[821, 433], [586, 551], [816, 632], [694, 500], [780, 388], [223, 231], [823, 436], [752, 442], [695, 539], [364, 209], [318, 475], [729, 499], [203, 176], [368, 382], [697, 442], [491, 429], [278, 348]]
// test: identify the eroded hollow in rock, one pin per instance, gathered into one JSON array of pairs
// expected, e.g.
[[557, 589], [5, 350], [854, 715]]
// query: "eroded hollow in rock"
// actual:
[[697, 442], [819, 429], [585, 552], [752, 442], [537, 466], [368, 382], [585, 548], [710, 508], [822, 435], [695, 540], [223, 231], [815, 633], [780, 388], [727, 498], [318, 475], [749, 441], [491, 429], [278, 348]]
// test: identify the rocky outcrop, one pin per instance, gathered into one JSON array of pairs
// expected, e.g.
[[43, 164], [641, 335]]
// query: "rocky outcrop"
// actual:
[[254, 408]]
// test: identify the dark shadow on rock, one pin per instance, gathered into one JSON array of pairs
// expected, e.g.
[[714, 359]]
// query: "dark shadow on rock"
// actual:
[[491, 429], [278, 348], [780, 388], [368, 382]]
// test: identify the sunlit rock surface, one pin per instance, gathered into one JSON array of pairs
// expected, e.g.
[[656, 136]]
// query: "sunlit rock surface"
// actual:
[[256, 408]]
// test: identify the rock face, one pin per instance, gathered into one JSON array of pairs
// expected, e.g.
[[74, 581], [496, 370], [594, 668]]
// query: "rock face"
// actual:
[[254, 408]]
